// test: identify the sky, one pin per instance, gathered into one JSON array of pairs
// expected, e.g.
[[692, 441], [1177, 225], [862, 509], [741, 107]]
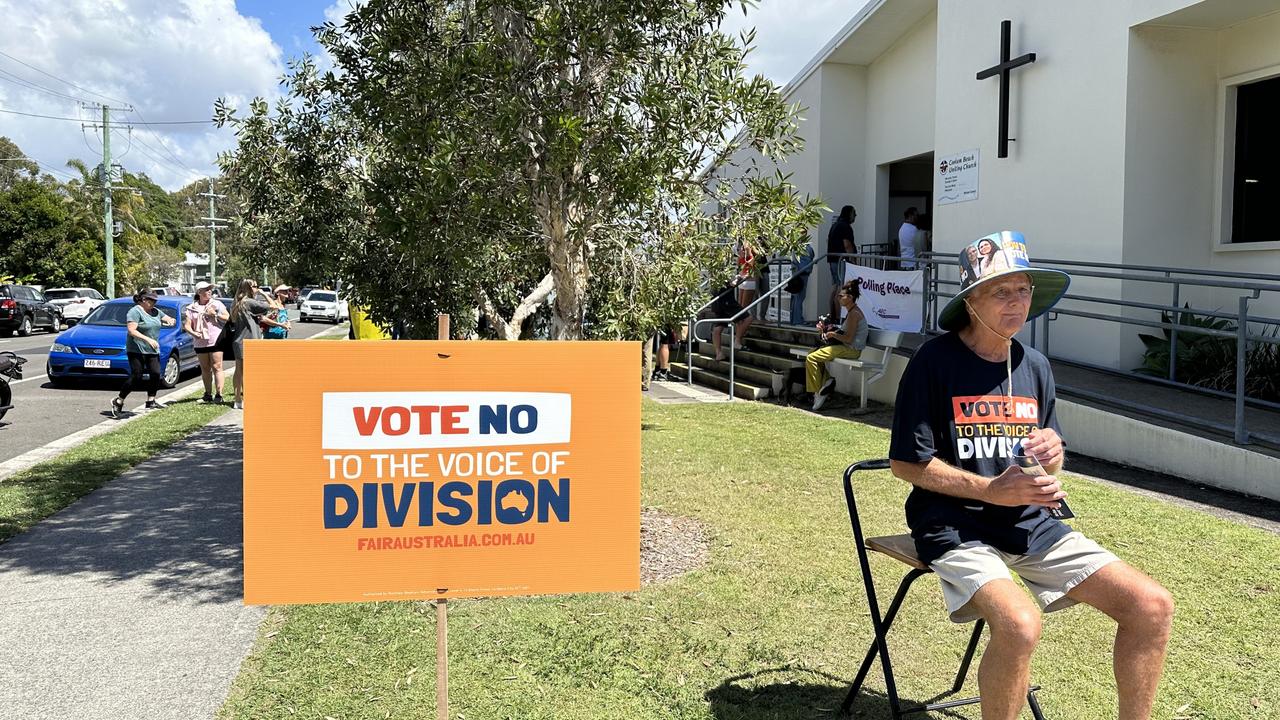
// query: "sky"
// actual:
[[169, 60]]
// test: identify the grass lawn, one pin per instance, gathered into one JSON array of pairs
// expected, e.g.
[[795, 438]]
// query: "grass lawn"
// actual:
[[40, 491], [774, 625]]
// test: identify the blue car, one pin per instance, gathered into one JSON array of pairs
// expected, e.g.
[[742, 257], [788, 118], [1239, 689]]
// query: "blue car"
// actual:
[[94, 348]]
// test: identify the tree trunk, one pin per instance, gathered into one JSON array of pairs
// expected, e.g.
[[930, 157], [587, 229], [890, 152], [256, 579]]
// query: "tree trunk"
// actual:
[[646, 363], [568, 255], [510, 329]]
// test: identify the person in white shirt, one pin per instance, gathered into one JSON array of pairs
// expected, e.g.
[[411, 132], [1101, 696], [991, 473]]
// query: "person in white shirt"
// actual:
[[907, 238]]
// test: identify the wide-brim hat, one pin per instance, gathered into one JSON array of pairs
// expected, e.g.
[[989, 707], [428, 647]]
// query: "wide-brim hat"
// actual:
[[995, 256]]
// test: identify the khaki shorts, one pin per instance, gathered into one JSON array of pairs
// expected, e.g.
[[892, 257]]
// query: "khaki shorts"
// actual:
[[964, 569]]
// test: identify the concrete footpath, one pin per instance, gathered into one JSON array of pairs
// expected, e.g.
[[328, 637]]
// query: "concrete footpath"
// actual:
[[127, 604]]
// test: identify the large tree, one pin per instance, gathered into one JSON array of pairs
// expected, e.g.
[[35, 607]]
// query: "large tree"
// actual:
[[15, 165], [493, 154], [40, 239]]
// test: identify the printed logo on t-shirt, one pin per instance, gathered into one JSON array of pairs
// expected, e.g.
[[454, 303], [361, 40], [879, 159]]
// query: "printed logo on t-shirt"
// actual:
[[987, 426]]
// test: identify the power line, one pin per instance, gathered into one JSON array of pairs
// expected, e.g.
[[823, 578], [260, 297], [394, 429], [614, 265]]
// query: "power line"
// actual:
[[159, 138], [56, 117], [64, 81], [44, 166], [25, 83], [143, 148]]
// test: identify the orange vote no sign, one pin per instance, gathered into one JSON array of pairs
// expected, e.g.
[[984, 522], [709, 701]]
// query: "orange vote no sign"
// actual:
[[410, 470]]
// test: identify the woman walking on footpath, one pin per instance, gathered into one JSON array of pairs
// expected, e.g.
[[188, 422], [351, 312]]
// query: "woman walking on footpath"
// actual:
[[204, 320], [276, 323], [142, 346], [245, 312]]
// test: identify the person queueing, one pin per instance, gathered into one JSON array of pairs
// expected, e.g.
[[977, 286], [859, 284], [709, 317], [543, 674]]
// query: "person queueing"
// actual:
[[848, 341], [142, 346], [276, 325], [204, 321], [966, 401], [245, 313]]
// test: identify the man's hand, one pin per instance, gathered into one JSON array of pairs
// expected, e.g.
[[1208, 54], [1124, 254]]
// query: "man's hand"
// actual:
[[1013, 487], [1045, 446]]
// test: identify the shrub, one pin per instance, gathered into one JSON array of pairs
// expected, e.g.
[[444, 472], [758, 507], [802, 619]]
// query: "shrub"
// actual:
[[1209, 361]]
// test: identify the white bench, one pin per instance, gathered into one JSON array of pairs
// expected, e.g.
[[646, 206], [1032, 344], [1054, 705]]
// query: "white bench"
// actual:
[[883, 340]]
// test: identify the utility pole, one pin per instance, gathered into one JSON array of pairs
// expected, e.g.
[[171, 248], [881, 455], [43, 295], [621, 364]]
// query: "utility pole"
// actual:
[[108, 227], [212, 227]]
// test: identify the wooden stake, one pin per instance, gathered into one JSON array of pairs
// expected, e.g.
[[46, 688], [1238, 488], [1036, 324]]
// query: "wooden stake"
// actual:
[[442, 659], [442, 604]]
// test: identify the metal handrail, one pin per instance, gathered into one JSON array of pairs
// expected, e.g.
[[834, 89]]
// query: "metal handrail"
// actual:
[[1176, 279], [939, 288], [732, 322]]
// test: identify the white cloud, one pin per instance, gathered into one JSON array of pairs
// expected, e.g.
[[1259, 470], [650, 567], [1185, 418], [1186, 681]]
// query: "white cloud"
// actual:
[[170, 58], [790, 32]]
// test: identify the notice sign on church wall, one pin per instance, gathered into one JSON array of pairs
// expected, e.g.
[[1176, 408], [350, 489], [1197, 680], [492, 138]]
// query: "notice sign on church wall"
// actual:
[[958, 178], [412, 470]]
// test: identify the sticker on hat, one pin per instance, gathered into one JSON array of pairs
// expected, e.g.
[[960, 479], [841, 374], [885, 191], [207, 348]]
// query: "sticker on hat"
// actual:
[[994, 256]]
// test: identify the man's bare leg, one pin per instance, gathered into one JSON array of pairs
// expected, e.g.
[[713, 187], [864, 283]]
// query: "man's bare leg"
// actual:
[[1005, 671], [1143, 610]]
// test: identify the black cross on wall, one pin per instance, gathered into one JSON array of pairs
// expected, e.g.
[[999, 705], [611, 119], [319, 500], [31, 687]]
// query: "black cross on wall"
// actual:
[[1003, 71]]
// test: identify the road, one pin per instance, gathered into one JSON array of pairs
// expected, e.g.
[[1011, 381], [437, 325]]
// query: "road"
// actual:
[[43, 413]]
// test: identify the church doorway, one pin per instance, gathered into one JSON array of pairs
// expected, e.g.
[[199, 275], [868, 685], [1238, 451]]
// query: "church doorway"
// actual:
[[906, 184]]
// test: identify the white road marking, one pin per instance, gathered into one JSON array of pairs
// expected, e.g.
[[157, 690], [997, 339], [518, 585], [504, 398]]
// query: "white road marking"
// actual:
[[19, 382]]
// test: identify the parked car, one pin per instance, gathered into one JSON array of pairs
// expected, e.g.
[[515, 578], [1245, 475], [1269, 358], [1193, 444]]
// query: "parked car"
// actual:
[[95, 347], [323, 305], [163, 291], [303, 293], [74, 303], [24, 308]]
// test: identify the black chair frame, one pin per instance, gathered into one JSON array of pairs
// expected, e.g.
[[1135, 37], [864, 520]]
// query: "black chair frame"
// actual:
[[881, 624]]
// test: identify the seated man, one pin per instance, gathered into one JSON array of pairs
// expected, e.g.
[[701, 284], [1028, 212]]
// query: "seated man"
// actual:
[[964, 401]]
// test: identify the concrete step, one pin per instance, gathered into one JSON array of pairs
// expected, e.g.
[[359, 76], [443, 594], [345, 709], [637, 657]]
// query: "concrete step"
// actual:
[[785, 333], [777, 348], [762, 377], [712, 379], [751, 357]]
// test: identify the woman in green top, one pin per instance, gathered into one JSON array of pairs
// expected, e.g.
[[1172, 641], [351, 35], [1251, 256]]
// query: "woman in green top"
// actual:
[[142, 345]]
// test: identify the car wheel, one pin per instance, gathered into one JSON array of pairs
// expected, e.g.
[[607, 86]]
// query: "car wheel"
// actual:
[[25, 328], [172, 371], [53, 379]]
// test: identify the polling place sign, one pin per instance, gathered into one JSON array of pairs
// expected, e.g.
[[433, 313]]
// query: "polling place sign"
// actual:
[[410, 470]]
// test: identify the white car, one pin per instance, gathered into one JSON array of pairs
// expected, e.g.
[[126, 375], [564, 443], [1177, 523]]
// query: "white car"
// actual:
[[74, 303], [324, 305]]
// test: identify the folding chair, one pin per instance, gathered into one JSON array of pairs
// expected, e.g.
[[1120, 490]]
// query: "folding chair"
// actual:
[[901, 548]]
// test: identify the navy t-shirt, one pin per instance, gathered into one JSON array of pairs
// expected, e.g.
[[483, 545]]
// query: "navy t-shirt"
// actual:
[[839, 232], [954, 405]]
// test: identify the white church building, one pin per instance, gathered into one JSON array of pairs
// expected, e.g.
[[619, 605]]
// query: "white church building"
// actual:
[[1143, 133]]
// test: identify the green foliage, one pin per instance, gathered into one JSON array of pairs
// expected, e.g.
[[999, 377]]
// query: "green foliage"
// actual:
[[40, 238], [524, 153], [1209, 361]]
